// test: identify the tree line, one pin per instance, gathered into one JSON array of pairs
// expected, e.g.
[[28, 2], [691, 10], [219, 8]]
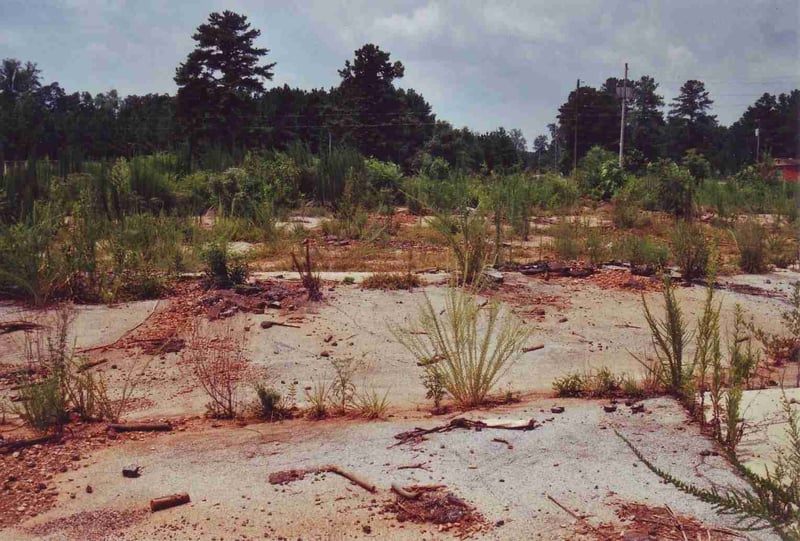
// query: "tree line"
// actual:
[[222, 108]]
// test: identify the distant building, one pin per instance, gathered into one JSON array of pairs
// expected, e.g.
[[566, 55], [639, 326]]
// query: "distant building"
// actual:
[[788, 167]]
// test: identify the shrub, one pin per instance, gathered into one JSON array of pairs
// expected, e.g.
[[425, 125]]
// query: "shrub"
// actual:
[[467, 351], [676, 188], [271, 404], [570, 385], [644, 252], [433, 381], [371, 404], [391, 281], [600, 174], [690, 250], [343, 389], [222, 270], [781, 250], [318, 397], [751, 239], [220, 367]]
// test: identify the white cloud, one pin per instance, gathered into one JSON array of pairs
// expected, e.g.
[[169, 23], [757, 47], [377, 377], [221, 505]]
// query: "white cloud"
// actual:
[[521, 23], [422, 22]]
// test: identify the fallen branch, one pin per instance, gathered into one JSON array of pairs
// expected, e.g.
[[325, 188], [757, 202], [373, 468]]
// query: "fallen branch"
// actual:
[[420, 466], [7, 327], [418, 433], [366, 485], [86, 366], [166, 502], [140, 427], [579, 518], [403, 493], [269, 324], [501, 440], [14, 445]]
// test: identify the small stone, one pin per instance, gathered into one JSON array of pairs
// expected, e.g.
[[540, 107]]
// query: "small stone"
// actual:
[[325, 353], [366, 528], [557, 409], [131, 471], [610, 408], [89, 489]]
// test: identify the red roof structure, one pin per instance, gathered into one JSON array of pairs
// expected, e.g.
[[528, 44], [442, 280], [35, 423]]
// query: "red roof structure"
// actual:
[[789, 168]]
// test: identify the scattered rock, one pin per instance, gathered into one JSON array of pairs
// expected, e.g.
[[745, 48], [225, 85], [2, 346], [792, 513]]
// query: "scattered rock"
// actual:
[[132, 471], [610, 408], [557, 409]]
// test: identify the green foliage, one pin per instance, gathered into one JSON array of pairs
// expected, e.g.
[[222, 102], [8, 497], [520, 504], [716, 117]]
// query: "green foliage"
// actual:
[[371, 404], [600, 175], [644, 252], [751, 238], [31, 265], [670, 337], [690, 249], [567, 239], [676, 188], [271, 404], [221, 269], [554, 192], [391, 281], [697, 165], [572, 385], [468, 345]]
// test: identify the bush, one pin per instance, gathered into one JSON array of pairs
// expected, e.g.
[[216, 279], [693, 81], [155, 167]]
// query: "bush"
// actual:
[[570, 386], [371, 404], [567, 236], [751, 239], [271, 405], [676, 188], [600, 174], [222, 270], [468, 351], [644, 252], [690, 250]]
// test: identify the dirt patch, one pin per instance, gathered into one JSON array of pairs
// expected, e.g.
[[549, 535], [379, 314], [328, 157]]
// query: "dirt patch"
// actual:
[[287, 476], [440, 507], [525, 302], [90, 525], [640, 521]]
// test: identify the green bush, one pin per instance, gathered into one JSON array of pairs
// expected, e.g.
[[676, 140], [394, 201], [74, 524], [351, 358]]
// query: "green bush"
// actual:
[[271, 404], [690, 250], [644, 252], [676, 188], [221, 269], [600, 175], [570, 385]]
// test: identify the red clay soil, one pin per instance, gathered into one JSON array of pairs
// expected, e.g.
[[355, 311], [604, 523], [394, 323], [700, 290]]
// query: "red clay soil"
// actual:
[[26, 475], [441, 508], [525, 302], [90, 525], [643, 522]]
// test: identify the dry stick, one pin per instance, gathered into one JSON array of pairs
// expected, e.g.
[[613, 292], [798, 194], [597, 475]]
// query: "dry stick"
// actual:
[[403, 493], [678, 522], [7, 327], [420, 466], [577, 517], [533, 348], [501, 440], [366, 485], [21, 444], [86, 366]]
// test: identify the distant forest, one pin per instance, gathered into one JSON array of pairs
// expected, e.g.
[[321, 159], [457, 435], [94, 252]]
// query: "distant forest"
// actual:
[[223, 106]]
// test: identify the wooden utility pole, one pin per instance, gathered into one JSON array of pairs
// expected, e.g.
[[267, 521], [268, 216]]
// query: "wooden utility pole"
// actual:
[[575, 134], [624, 99]]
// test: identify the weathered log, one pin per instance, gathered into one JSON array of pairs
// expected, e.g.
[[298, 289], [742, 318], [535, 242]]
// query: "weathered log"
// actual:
[[14, 326], [140, 427], [165, 502], [14, 445]]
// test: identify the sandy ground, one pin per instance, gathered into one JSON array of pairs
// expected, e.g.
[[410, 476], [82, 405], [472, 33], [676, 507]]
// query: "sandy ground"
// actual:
[[576, 458]]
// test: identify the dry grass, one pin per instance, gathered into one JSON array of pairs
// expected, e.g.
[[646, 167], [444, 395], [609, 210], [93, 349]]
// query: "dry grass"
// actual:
[[391, 281]]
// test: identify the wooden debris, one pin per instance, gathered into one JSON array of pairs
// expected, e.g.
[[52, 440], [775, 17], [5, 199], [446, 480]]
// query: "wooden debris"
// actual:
[[7, 327], [533, 348], [418, 434], [166, 502], [86, 366], [140, 427], [366, 485], [288, 476], [270, 324], [14, 445], [403, 493]]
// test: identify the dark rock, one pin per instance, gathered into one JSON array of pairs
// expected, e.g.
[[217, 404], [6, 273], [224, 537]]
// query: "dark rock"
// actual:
[[132, 471]]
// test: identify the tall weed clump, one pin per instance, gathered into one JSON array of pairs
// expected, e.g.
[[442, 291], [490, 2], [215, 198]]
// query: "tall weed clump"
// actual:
[[465, 234], [751, 239], [467, 347], [690, 249]]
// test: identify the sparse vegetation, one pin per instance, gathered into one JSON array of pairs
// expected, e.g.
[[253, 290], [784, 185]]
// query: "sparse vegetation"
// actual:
[[391, 281], [468, 352]]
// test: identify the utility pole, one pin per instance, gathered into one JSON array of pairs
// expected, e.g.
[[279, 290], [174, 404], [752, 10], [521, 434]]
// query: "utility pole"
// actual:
[[758, 139], [624, 98], [575, 135]]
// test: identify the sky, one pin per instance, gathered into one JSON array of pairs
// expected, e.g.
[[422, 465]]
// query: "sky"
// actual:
[[481, 64]]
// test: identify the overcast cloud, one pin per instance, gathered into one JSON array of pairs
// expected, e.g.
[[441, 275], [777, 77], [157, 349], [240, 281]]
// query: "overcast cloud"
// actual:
[[480, 64]]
